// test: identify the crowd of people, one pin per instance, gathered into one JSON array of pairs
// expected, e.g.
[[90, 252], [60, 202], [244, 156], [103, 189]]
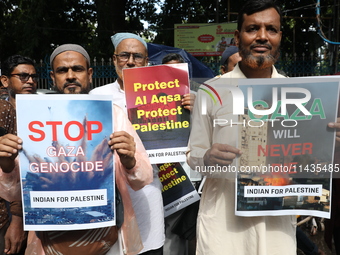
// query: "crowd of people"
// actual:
[[143, 229]]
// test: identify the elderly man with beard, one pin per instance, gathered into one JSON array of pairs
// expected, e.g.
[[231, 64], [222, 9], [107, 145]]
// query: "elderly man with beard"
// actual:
[[130, 51], [71, 74], [219, 231]]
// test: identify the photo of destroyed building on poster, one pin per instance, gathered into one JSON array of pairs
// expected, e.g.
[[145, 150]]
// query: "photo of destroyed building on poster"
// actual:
[[287, 161], [66, 165], [154, 104]]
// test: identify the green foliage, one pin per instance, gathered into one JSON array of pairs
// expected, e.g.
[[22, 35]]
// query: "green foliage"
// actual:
[[35, 27]]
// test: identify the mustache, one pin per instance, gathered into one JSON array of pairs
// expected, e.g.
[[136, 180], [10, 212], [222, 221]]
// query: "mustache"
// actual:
[[27, 86], [268, 46], [66, 84]]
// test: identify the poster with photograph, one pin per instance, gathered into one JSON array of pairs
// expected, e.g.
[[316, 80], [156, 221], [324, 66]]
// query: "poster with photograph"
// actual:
[[154, 104], [66, 165], [178, 191], [287, 161], [204, 39]]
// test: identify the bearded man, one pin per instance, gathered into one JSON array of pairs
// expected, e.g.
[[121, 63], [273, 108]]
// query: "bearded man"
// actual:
[[219, 231]]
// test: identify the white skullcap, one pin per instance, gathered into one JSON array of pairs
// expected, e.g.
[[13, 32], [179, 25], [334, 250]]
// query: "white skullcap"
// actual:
[[117, 38], [69, 47]]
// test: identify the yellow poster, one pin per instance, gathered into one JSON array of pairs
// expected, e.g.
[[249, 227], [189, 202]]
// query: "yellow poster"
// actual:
[[204, 39]]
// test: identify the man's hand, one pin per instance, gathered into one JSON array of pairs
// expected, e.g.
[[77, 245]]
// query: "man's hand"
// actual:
[[14, 236], [125, 146], [9, 146], [188, 101], [220, 154], [337, 127]]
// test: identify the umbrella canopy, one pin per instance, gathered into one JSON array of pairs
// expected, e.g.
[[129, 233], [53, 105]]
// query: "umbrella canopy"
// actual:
[[196, 68]]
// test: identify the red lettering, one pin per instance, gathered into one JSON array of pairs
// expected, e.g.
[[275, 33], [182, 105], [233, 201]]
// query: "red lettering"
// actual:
[[91, 131], [307, 147], [261, 149], [285, 151], [92, 127], [81, 131], [54, 128], [34, 130], [296, 150], [291, 149], [273, 149]]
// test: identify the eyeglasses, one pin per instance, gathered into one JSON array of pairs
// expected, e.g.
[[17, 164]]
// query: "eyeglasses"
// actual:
[[24, 77], [125, 56]]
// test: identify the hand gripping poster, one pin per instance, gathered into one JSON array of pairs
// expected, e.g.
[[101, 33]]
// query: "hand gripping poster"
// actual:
[[154, 103], [66, 165], [287, 161]]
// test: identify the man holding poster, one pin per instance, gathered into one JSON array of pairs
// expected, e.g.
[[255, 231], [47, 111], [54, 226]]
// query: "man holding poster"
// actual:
[[258, 37], [131, 51], [71, 74]]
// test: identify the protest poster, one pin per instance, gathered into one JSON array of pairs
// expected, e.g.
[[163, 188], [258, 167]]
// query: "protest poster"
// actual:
[[154, 104], [66, 166], [178, 192], [287, 161]]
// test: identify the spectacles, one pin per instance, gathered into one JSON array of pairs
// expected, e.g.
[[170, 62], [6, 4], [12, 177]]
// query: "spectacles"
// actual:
[[24, 77], [125, 56]]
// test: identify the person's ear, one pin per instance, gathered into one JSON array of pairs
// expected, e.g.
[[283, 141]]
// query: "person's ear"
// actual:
[[237, 37], [4, 80], [53, 80], [52, 75], [90, 73], [280, 35]]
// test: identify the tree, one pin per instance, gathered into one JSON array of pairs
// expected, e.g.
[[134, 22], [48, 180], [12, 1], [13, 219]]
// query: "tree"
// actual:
[[121, 16], [34, 28], [111, 17], [190, 11]]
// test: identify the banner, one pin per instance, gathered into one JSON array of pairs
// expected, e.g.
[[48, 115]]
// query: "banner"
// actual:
[[178, 192], [66, 165], [287, 161], [204, 39], [154, 104]]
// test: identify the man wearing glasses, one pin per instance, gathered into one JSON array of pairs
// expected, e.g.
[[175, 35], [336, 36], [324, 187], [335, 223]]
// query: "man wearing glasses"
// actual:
[[19, 76], [131, 51]]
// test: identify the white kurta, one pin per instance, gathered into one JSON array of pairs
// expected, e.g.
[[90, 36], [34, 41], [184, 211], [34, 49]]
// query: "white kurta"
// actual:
[[219, 231], [147, 202]]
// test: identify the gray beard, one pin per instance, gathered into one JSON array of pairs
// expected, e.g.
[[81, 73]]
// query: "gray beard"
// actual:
[[259, 62]]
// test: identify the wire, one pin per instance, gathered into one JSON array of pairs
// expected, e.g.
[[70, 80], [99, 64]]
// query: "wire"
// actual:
[[310, 6], [319, 29]]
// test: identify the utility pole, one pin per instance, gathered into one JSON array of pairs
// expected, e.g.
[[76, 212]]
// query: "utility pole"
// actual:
[[228, 10], [336, 28], [217, 11]]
